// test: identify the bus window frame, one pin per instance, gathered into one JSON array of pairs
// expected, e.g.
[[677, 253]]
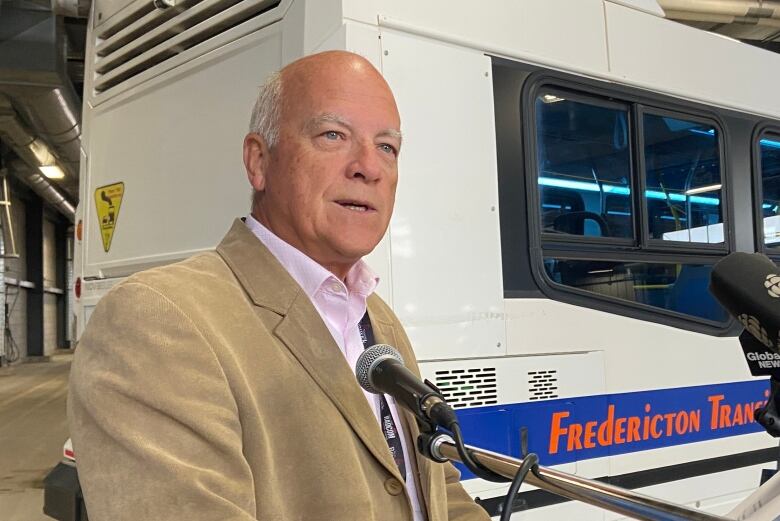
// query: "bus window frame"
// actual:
[[535, 80], [675, 246], [761, 130], [584, 98]]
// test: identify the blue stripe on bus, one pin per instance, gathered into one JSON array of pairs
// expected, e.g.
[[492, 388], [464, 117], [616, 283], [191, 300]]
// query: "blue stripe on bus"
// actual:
[[572, 429]]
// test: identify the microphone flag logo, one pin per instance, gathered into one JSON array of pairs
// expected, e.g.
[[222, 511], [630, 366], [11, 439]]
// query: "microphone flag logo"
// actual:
[[755, 328], [772, 284]]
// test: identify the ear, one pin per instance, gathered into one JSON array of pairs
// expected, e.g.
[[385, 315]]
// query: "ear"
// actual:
[[256, 159]]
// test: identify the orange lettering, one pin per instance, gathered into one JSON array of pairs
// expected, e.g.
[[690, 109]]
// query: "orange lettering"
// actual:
[[620, 428], [715, 401], [695, 420], [590, 434], [653, 424], [633, 429], [681, 422], [556, 431], [605, 430], [725, 412], [669, 419], [737, 419], [749, 413], [574, 443]]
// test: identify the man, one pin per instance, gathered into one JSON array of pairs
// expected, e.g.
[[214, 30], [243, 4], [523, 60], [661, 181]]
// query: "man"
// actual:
[[222, 387]]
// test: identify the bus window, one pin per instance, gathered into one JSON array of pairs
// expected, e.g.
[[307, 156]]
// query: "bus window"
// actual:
[[677, 287], [683, 183], [769, 149], [583, 156]]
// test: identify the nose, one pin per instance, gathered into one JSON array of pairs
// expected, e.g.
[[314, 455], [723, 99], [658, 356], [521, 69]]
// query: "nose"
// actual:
[[366, 165]]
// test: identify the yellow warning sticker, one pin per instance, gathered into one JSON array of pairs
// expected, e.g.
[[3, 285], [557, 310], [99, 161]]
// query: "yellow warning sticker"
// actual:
[[108, 199]]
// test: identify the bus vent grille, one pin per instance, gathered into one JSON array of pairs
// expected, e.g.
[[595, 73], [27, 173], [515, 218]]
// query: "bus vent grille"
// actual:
[[543, 385], [472, 387], [141, 36]]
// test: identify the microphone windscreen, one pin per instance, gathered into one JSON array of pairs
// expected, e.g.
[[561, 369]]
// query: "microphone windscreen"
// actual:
[[368, 359], [748, 286]]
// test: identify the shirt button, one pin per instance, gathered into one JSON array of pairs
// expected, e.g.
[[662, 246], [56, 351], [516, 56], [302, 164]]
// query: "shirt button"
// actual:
[[393, 486], [335, 287]]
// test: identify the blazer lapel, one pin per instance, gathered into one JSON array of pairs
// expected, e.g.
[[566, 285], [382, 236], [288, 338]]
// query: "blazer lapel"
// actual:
[[384, 333], [304, 333]]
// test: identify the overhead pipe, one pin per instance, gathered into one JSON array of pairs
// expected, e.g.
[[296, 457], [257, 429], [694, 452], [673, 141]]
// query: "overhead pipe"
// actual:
[[40, 90], [71, 8], [756, 12], [33, 153]]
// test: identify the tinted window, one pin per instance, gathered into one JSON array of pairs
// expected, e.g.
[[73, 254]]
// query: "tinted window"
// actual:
[[683, 184], [584, 167], [677, 287], [770, 185]]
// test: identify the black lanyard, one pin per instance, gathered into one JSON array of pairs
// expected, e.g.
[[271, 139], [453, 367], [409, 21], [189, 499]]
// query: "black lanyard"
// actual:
[[388, 425]]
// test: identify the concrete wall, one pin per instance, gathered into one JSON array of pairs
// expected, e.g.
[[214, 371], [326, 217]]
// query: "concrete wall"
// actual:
[[16, 277]]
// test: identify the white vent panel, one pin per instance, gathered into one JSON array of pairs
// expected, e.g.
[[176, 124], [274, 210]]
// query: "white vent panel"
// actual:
[[471, 387], [137, 39], [542, 385]]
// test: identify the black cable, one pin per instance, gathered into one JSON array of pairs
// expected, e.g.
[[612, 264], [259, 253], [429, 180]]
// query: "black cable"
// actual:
[[12, 349], [466, 459], [530, 463]]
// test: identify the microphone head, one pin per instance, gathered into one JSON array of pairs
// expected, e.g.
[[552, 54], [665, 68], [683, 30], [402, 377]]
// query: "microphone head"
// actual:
[[748, 286], [369, 359]]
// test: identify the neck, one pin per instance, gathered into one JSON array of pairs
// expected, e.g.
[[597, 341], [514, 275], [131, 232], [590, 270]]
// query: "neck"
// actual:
[[338, 269]]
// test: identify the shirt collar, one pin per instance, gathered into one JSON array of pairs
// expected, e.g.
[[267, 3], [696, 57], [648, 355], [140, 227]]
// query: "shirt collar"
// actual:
[[310, 275]]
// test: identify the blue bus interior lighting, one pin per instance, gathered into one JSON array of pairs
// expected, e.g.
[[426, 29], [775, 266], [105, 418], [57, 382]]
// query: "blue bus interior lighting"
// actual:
[[769, 143], [710, 132], [624, 190]]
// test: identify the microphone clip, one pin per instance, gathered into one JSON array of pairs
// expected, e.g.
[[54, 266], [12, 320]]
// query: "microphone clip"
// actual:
[[429, 445]]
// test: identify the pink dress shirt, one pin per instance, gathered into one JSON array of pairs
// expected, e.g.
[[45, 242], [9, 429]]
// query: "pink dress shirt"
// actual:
[[341, 306]]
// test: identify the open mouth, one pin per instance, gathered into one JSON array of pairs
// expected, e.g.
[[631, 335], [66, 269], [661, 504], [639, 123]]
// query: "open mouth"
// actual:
[[355, 206]]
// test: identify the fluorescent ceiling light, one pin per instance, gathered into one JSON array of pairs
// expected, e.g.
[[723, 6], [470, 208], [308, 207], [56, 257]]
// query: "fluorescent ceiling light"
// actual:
[[549, 98], [41, 152], [52, 171], [702, 189], [594, 272]]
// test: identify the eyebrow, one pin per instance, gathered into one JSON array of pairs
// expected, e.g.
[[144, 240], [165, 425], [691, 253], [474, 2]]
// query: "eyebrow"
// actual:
[[333, 118]]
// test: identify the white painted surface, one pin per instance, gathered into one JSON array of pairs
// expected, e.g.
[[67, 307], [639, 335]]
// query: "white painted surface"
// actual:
[[670, 57], [560, 31], [176, 144], [446, 255], [639, 355]]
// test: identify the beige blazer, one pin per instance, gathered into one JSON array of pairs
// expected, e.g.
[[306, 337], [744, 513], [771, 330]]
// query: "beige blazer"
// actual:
[[211, 389]]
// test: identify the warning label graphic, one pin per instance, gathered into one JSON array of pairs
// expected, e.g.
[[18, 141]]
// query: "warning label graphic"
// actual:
[[108, 199]]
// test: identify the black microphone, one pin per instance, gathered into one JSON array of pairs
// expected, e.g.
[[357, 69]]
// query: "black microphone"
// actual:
[[748, 286], [380, 369]]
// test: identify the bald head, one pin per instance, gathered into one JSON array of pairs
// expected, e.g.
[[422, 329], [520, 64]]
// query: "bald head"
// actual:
[[297, 79], [322, 157]]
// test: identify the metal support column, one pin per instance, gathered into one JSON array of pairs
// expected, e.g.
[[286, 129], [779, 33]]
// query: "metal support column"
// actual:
[[34, 239], [61, 260]]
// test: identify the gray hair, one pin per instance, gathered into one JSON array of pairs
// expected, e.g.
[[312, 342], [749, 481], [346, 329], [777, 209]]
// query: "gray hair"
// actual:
[[265, 114]]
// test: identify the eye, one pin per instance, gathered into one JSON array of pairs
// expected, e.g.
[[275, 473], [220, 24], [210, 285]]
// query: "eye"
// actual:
[[332, 135], [390, 149]]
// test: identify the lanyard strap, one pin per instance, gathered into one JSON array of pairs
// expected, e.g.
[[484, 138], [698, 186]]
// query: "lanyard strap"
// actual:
[[388, 425]]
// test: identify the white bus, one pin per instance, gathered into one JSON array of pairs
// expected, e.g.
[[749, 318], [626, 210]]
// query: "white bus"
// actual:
[[571, 170]]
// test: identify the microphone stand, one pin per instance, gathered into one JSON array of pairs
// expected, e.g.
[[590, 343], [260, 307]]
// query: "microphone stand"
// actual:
[[440, 447]]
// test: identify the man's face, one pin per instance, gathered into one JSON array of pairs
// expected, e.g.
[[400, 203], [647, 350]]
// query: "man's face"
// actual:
[[328, 186]]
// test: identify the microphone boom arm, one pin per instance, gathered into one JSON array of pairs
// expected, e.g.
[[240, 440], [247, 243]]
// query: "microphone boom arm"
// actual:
[[596, 493]]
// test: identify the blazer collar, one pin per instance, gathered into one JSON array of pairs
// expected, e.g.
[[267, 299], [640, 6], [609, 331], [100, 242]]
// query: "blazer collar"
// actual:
[[264, 279], [303, 332]]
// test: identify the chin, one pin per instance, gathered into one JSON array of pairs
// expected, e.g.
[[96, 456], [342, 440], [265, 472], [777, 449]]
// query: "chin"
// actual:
[[357, 251]]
